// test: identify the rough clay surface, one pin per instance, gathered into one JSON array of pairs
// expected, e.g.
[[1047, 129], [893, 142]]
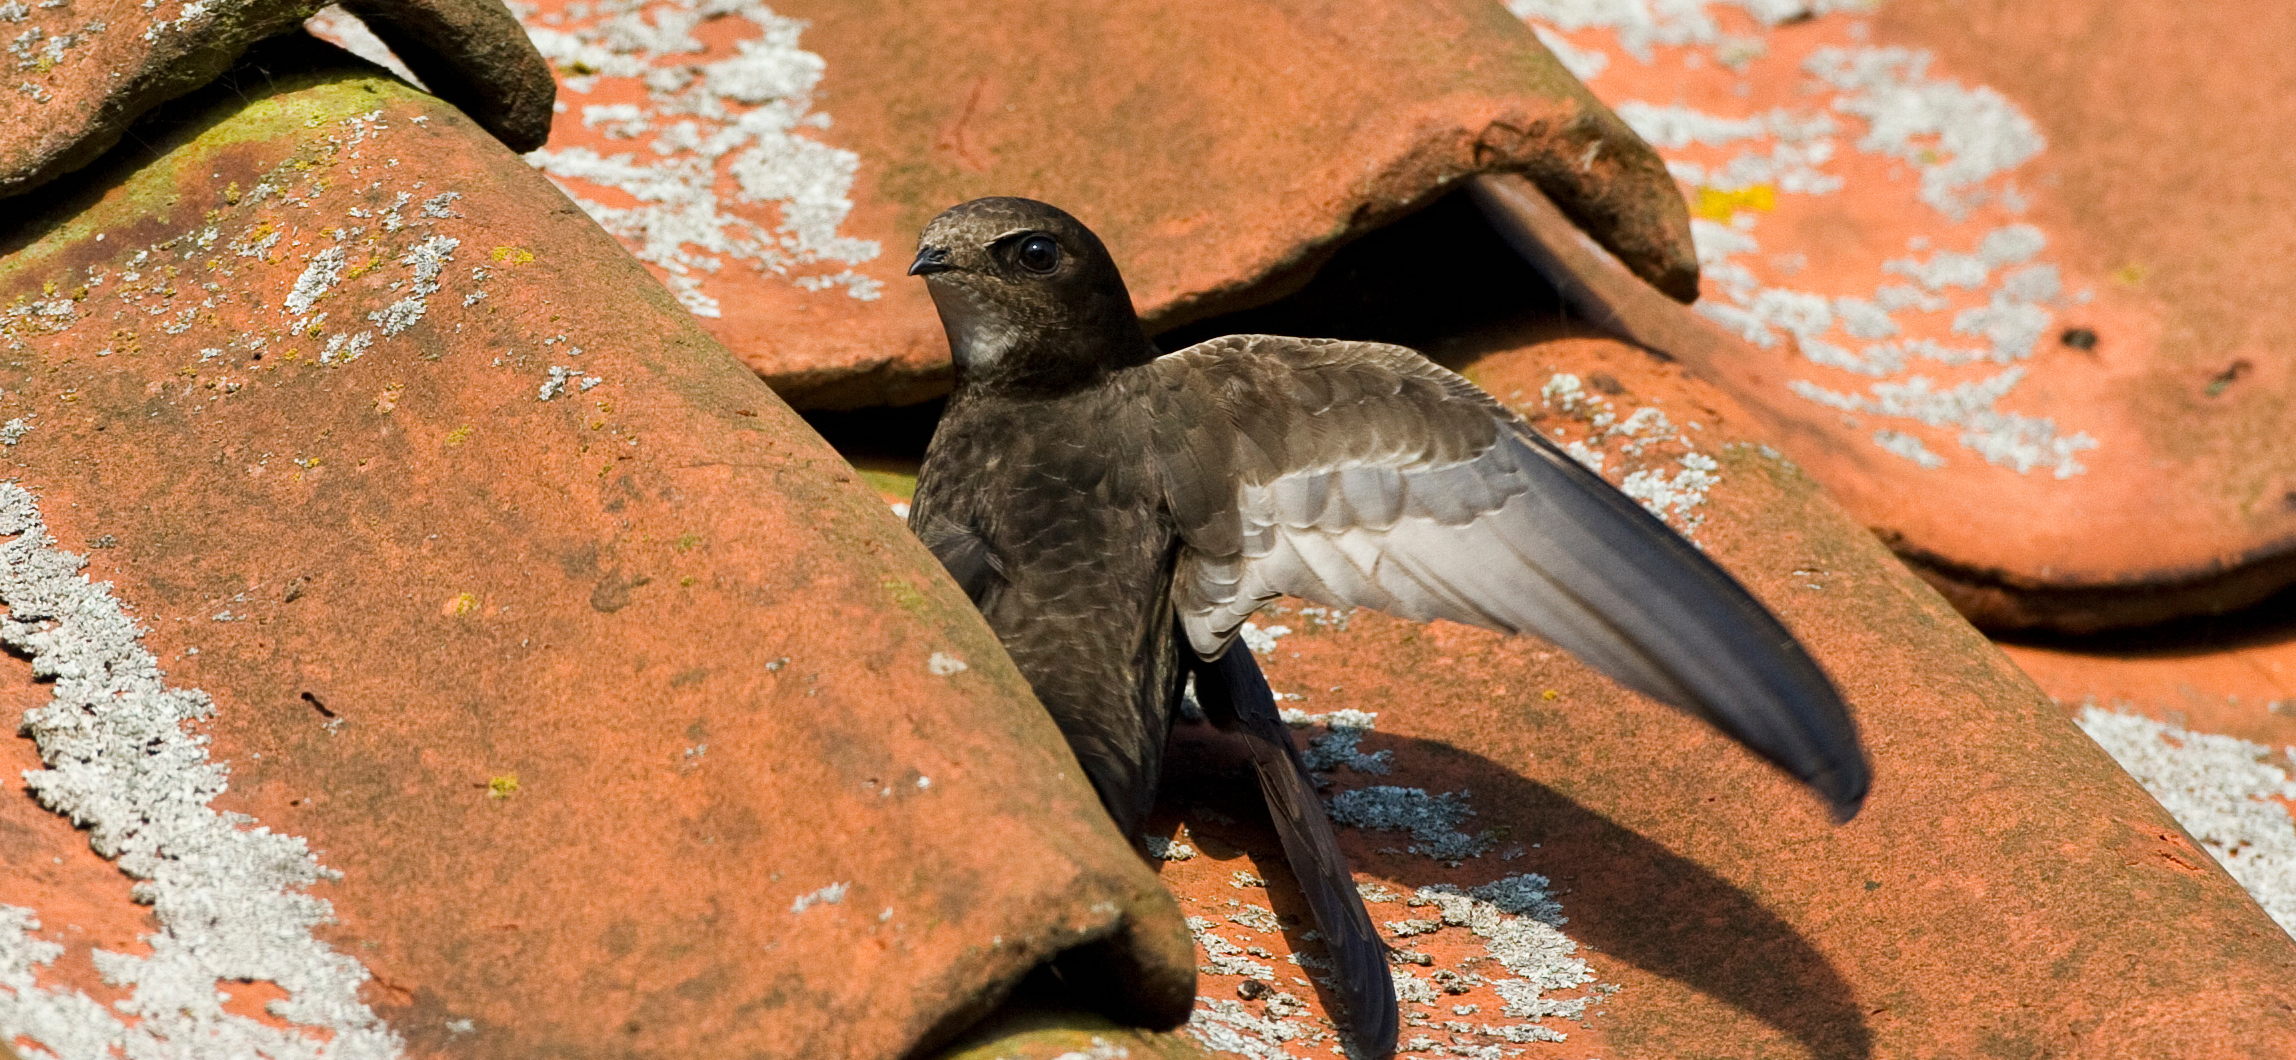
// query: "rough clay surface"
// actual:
[[1994, 269], [76, 73], [230, 898], [774, 164], [625, 715]]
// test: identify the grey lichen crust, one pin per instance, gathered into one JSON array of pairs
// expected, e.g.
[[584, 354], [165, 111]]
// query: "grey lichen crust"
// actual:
[[229, 895]]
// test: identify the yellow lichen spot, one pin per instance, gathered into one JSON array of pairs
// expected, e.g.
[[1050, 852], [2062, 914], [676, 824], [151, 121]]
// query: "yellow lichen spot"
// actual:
[[231, 193], [2131, 274], [48, 288], [1550, 695], [389, 398], [1715, 204], [459, 604], [513, 255], [597, 423], [502, 787], [687, 582], [460, 434], [904, 594], [686, 542], [360, 269]]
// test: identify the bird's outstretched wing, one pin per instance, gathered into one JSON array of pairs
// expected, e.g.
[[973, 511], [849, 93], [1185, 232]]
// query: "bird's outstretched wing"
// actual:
[[1236, 698], [1361, 474]]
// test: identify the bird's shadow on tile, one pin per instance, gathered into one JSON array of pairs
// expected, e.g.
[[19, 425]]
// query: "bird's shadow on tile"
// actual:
[[1627, 897]]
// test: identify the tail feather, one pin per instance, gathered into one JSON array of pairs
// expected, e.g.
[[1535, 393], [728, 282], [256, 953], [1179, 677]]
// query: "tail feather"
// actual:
[[1236, 698]]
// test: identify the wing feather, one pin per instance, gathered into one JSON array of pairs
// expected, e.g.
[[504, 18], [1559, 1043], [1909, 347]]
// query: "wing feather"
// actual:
[[1360, 474]]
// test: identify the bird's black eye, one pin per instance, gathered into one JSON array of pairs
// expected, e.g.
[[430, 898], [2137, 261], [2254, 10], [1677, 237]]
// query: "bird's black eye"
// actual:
[[1038, 254]]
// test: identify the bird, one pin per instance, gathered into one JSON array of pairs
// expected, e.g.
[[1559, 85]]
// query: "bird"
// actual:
[[1116, 512]]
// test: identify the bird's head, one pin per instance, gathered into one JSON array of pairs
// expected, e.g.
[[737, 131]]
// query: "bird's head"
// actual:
[[1028, 295]]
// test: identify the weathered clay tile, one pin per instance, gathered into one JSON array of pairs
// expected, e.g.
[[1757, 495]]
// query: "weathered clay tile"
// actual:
[[2233, 675], [1222, 149], [2002, 265], [578, 700], [79, 73], [1634, 885], [1628, 883]]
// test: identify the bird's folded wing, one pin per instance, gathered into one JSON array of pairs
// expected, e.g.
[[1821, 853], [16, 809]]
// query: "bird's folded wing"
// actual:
[[1360, 474]]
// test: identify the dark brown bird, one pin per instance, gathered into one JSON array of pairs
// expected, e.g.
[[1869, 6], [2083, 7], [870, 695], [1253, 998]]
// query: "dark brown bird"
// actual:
[[1117, 513]]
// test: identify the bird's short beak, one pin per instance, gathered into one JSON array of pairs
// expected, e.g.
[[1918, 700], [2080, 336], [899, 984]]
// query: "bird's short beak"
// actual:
[[930, 260]]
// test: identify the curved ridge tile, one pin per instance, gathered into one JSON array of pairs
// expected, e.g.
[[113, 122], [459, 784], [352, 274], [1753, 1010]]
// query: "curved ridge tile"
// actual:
[[1223, 150], [631, 723], [1996, 258]]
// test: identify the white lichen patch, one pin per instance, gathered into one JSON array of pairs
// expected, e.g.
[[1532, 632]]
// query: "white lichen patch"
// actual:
[[291, 272], [1645, 453], [1100, 1049], [1261, 639], [230, 897], [427, 258], [1519, 962], [2224, 790], [1520, 925], [731, 171], [1223, 957], [1884, 350], [831, 894], [1163, 849]]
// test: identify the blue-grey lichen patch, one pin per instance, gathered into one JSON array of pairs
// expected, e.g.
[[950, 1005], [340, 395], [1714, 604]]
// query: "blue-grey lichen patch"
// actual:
[[36, 50], [230, 896], [2232, 795], [1432, 820], [1340, 743], [730, 142]]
